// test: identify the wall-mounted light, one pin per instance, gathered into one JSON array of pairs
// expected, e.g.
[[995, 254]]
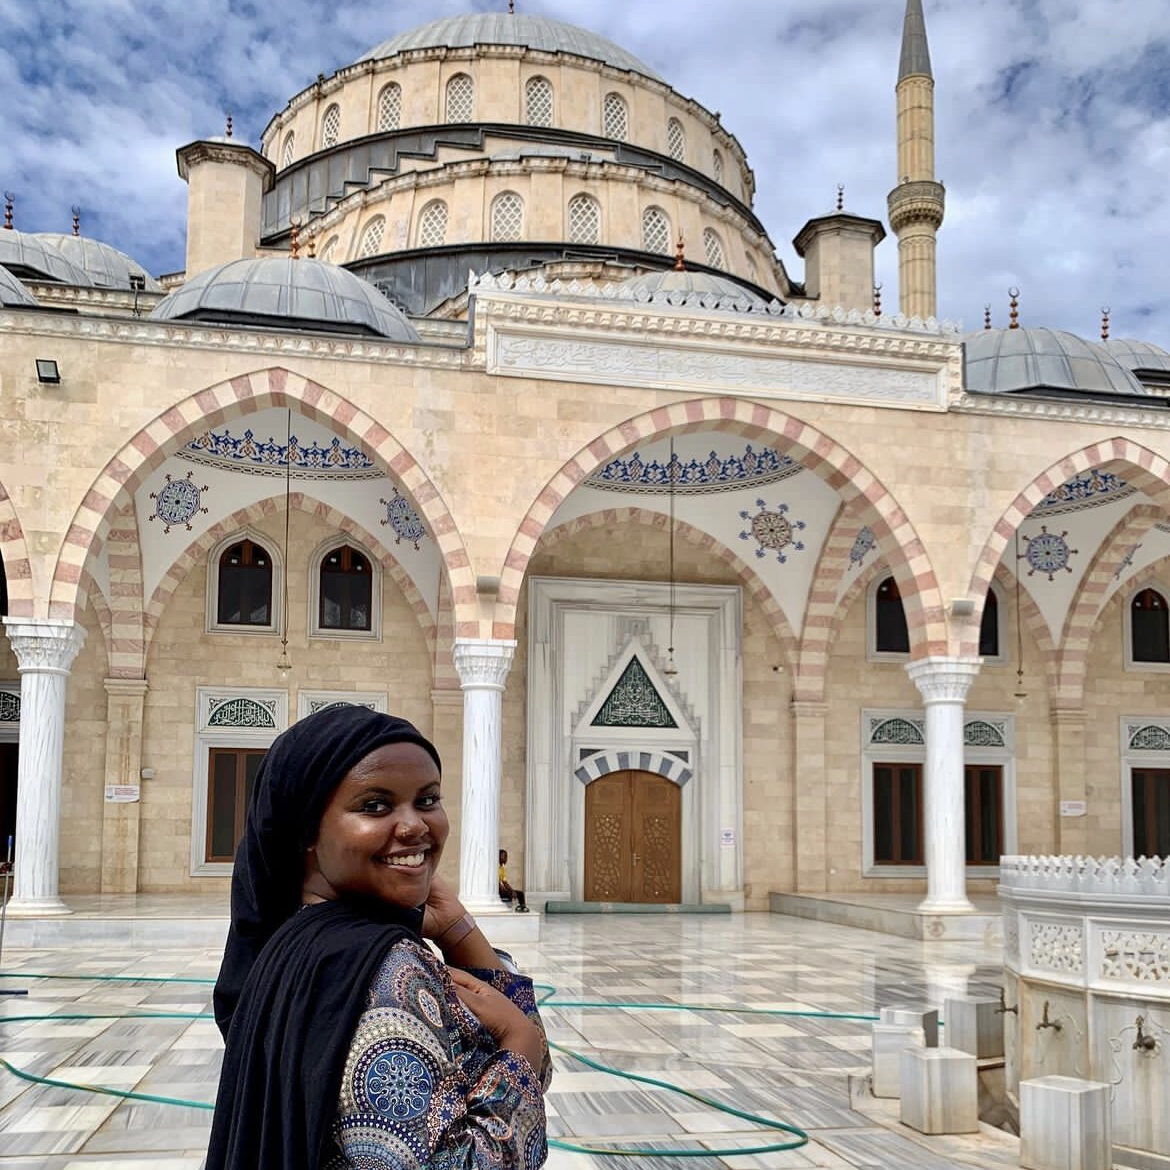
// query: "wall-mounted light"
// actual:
[[47, 371]]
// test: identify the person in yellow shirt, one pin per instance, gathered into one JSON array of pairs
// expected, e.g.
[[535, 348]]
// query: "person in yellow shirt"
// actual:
[[507, 893]]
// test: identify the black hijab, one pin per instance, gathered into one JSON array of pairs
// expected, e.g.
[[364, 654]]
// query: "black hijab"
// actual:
[[293, 982]]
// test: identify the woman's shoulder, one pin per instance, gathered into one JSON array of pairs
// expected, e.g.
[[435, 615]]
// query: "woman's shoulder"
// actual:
[[407, 967]]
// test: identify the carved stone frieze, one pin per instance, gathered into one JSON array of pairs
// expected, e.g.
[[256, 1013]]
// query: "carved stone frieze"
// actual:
[[1141, 956], [1056, 946]]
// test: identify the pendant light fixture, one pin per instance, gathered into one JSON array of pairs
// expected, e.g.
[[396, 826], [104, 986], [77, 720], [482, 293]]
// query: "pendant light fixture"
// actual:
[[1020, 693], [284, 663], [671, 476]]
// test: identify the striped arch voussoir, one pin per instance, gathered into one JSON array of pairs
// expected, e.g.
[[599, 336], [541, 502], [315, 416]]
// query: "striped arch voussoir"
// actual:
[[14, 556]]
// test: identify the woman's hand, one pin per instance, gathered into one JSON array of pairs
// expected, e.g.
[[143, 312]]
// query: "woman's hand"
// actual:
[[443, 908], [510, 1027]]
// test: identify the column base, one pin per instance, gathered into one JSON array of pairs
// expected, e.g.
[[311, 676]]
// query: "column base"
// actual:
[[36, 907], [945, 906]]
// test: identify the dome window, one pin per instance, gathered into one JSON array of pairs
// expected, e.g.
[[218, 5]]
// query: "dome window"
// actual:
[[717, 167], [713, 248], [390, 107], [1149, 627], [616, 119], [584, 220], [460, 98], [286, 153], [655, 230], [753, 270], [432, 225], [507, 216], [676, 140], [326, 256], [538, 102], [331, 127], [372, 237]]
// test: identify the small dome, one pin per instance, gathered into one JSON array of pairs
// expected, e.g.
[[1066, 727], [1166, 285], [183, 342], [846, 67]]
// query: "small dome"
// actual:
[[31, 258], [283, 293], [694, 289], [1138, 355], [13, 294], [102, 263], [501, 28], [999, 361]]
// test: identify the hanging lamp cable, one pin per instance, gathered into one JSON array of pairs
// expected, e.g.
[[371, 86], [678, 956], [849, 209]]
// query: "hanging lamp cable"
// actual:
[[671, 472], [284, 664]]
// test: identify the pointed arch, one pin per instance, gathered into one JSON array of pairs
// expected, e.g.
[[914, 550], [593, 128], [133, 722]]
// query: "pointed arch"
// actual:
[[243, 395], [816, 451], [14, 556]]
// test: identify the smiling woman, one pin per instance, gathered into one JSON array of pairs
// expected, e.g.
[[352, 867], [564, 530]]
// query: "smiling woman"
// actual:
[[348, 1042]]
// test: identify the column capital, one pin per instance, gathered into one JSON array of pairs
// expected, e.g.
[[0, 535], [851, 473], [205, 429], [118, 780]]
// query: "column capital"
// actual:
[[483, 663], [131, 687], [44, 645], [942, 679]]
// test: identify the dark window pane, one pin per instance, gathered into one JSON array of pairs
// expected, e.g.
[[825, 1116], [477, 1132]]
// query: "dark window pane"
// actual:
[[245, 586], [908, 820], [346, 591], [1151, 812], [897, 803], [984, 814], [1150, 626], [893, 636], [222, 813], [883, 815], [989, 627]]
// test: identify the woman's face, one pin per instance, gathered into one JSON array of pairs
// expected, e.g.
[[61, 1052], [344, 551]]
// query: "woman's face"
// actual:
[[383, 831]]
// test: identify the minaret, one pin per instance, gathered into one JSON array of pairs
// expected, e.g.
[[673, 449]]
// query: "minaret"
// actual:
[[916, 203]]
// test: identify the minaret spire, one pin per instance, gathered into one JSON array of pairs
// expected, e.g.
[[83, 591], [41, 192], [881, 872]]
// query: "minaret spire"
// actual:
[[917, 203]]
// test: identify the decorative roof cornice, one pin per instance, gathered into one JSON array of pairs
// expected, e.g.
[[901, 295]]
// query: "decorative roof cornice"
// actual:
[[1065, 410], [231, 153], [68, 296]]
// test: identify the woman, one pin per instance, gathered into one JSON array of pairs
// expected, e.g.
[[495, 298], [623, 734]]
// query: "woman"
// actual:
[[348, 1044]]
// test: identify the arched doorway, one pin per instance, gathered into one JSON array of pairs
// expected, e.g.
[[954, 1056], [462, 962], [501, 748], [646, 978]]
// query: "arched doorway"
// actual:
[[633, 839]]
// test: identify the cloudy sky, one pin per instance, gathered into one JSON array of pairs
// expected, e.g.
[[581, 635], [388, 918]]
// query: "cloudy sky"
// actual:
[[1053, 121]]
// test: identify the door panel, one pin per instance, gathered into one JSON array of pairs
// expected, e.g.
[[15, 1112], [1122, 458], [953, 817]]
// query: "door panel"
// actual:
[[657, 806], [607, 839]]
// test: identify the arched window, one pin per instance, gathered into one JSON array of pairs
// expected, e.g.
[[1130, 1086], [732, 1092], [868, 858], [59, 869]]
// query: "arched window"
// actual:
[[891, 634], [326, 253], [346, 591], [538, 102], [390, 106], [989, 627], [331, 127], [584, 220], [286, 153], [244, 588], [717, 167], [753, 271], [713, 247], [460, 98], [507, 216], [1149, 627], [372, 236], [432, 225], [655, 230], [676, 140], [615, 117]]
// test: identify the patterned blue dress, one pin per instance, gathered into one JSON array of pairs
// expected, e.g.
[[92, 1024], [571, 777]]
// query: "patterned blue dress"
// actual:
[[425, 1084]]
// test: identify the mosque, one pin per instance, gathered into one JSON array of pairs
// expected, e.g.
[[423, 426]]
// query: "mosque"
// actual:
[[485, 399]]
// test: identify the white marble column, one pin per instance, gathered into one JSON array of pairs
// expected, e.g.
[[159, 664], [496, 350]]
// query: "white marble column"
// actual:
[[45, 649], [943, 684], [483, 665]]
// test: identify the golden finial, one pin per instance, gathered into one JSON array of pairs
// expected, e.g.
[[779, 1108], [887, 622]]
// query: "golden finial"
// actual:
[[9, 202], [511, 7], [312, 249], [986, 316], [76, 219], [1014, 305], [1105, 311], [680, 254], [877, 299], [227, 132], [294, 243], [840, 196]]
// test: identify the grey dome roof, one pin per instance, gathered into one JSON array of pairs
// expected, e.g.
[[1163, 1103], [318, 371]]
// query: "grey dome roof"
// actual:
[[13, 294], [102, 263], [496, 28], [1138, 355], [285, 293], [999, 361], [27, 255], [697, 289]]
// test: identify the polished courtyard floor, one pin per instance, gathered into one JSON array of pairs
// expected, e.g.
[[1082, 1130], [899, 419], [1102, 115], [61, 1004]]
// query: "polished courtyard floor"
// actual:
[[809, 1072]]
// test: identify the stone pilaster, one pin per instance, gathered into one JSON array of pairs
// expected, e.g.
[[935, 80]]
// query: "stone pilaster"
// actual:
[[811, 793], [1068, 758], [943, 684], [483, 665], [45, 649], [120, 818]]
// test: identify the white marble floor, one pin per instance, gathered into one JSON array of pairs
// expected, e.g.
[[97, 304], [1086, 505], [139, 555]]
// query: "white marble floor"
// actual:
[[809, 1072]]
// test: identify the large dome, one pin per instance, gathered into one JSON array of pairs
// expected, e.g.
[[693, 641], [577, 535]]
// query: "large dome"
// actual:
[[1138, 355], [283, 293], [999, 361], [13, 294], [102, 263], [31, 258], [493, 28]]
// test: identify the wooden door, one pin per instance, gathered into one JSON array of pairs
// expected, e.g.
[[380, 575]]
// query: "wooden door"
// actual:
[[633, 839]]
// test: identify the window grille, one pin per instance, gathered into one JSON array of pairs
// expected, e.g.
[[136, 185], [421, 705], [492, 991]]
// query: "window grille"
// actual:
[[655, 230], [538, 102], [616, 118], [713, 249], [390, 106], [717, 167], [432, 225], [584, 220], [460, 98], [507, 216], [372, 237], [676, 140], [286, 155], [331, 127]]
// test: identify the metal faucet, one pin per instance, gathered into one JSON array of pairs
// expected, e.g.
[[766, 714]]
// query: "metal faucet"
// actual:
[[1143, 1043], [1045, 1022], [1003, 1008]]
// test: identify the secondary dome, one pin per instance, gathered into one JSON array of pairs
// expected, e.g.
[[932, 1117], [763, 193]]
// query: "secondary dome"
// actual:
[[494, 28], [999, 361], [102, 263], [283, 293], [695, 289], [30, 258], [1138, 355], [13, 294]]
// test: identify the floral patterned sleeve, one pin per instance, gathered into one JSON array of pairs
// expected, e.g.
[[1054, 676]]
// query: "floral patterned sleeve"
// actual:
[[425, 1084]]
